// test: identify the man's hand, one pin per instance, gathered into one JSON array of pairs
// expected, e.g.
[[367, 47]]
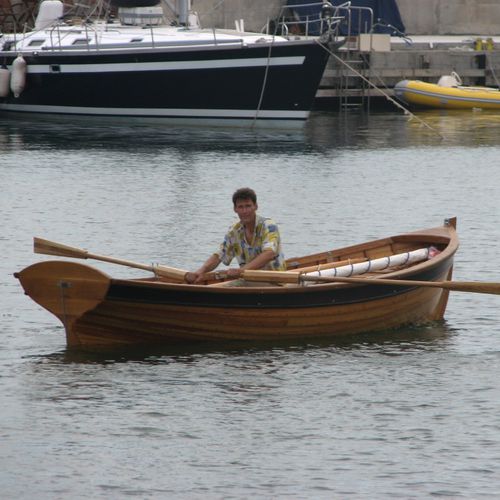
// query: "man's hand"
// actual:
[[233, 273], [193, 277]]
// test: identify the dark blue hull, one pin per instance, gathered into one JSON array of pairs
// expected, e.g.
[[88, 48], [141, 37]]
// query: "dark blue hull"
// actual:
[[225, 83]]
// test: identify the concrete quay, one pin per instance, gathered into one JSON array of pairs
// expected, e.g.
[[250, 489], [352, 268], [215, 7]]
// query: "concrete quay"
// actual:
[[384, 61]]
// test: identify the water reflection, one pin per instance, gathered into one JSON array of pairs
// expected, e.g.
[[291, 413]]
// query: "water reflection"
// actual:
[[357, 405], [435, 336], [324, 131], [459, 127], [395, 130], [124, 135]]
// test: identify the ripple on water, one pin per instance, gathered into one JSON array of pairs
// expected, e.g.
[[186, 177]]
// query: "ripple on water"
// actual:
[[406, 414]]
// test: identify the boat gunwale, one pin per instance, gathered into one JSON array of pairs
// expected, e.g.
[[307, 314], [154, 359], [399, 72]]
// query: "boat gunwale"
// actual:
[[434, 235], [158, 48]]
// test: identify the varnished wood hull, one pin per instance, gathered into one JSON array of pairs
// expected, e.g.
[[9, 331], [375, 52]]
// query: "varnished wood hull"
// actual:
[[100, 312]]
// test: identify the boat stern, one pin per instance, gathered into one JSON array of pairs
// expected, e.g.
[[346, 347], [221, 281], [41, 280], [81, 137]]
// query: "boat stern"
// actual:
[[66, 289]]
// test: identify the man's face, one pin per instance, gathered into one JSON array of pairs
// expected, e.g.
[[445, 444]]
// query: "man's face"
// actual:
[[246, 210]]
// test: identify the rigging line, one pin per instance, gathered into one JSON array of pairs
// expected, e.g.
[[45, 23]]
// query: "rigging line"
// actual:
[[488, 58], [387, 96], [210, 12], [264, 83], [266, 73]]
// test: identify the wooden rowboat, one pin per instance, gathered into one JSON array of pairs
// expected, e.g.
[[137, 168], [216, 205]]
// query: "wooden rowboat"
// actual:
[[100, 312]]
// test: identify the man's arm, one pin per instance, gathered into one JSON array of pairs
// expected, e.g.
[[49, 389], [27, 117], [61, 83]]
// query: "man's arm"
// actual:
[[209, 265]]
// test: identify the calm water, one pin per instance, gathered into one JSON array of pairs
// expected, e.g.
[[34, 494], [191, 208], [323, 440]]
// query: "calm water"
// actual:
[[409, 414]]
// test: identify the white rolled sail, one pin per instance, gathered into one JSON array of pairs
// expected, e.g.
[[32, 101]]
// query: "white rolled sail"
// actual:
[[402, 259]]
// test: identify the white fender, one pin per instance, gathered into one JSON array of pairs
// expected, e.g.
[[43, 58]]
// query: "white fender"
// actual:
[[18, 76], [4, 82]]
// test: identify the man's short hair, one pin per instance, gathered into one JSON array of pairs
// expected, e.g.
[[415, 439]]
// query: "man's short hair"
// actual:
[[244, 194]]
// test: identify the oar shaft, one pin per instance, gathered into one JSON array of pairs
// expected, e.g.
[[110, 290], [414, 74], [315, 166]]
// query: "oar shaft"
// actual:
[[165, 271], [276, 276], [456, 286], [295, 277], [52, 248], [120, 262], [48, 247]]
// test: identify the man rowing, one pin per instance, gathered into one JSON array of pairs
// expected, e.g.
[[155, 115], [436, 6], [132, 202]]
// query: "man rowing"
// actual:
[[254, 240]]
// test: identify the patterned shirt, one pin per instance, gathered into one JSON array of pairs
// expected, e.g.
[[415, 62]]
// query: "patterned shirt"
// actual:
[[266, 237]]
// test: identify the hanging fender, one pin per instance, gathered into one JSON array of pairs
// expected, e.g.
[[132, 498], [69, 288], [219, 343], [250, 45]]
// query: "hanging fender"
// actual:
[[18, 76], [4, 81]]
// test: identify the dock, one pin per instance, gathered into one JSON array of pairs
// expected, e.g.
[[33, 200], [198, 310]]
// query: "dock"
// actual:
[[364, 71]]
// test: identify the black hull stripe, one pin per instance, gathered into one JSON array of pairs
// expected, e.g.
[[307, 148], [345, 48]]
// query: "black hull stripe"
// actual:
[[292, 298]]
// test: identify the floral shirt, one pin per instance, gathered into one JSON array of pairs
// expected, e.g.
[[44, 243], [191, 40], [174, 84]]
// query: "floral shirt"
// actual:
[[266, 237]]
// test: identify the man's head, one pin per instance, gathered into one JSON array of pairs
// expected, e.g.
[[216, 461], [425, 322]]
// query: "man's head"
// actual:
[[245, 205], [244, 194]]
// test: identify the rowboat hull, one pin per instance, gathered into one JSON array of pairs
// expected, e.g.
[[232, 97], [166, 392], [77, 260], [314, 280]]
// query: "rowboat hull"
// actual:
[[429, 95], [100, 312]]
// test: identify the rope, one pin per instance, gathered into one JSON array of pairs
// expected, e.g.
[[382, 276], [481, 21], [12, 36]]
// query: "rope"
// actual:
[[388, 97], [208, 14], [488, 58], [210, 11], [264, 83]]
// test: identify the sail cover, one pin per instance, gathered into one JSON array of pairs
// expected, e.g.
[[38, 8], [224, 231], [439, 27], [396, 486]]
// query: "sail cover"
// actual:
[[400, 259], [386, 16]]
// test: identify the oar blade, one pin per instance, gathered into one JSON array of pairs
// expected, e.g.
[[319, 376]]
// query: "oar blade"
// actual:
[[48, 247]]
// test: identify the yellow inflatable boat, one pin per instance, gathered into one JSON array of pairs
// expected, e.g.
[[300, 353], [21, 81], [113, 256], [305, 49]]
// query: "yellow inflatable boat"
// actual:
[[448, 93]]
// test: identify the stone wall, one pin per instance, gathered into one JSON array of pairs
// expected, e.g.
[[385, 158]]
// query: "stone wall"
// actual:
[[450, 17], [421, 17], [222, 14]]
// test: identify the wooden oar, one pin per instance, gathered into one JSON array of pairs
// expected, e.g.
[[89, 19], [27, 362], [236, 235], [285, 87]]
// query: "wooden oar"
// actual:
[[52, 248], [294, 277]]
